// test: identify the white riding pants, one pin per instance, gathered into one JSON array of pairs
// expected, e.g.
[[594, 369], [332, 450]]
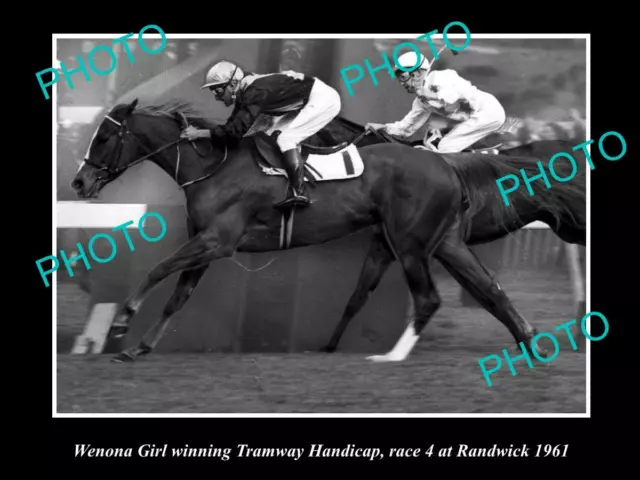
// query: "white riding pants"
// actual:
[[486, 120], [323, 106]]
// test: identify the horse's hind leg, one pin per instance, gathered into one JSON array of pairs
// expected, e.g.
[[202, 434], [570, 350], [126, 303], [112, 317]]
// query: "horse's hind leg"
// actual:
[[413, 230], [375, 265], [187, 282], [426, 302], [465, 267], [414, 250]]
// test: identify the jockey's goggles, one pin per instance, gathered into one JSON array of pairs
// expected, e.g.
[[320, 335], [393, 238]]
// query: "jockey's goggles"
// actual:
[[218, 90], [403, 76]]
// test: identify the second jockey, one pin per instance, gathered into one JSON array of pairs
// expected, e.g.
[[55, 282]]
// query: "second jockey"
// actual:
[[477, 114], [275, 94]]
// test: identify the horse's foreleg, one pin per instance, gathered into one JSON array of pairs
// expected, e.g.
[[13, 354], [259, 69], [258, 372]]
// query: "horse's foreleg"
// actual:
[[187, 282], [378, 259], [207, 246], [465, 267]]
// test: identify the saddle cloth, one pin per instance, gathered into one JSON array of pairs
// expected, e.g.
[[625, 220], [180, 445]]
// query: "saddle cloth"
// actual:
[[341, 165]]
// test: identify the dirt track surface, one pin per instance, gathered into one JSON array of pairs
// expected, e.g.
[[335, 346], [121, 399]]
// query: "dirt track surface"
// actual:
[[438, 381], [441, 376]]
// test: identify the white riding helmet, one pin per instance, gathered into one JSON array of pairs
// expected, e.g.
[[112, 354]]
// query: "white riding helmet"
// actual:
[[221, 72], [409, 60]]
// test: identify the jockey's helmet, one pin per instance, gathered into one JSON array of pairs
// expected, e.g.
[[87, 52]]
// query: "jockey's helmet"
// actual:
[[220, 74], [409, 60]]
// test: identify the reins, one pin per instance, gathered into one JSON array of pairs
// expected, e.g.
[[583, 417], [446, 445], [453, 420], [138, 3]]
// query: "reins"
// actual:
[[124, 126], [367, 132]]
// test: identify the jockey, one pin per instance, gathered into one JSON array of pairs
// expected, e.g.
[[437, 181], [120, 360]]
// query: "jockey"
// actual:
[[274, 94], [476, 113]]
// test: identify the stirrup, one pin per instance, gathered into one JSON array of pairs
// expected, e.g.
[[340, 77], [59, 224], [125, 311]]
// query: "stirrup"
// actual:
[[296, 199]]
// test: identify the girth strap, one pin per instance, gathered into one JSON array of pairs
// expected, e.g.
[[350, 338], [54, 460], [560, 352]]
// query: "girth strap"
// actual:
[[286, 228]]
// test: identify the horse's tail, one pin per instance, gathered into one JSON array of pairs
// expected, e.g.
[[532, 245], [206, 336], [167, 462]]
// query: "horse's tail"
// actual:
[[565, 202]]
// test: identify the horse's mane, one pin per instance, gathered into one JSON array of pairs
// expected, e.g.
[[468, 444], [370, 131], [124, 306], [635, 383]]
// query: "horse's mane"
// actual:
[[173, 109], [479, 173]]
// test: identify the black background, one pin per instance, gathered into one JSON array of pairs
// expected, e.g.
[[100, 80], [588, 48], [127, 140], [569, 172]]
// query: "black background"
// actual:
[[607, 436]]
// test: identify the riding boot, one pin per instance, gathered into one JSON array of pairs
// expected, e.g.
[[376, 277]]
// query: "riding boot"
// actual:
[[294, 165]]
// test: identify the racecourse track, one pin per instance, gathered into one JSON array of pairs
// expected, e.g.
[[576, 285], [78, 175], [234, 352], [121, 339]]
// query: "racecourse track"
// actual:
[[442, 375]]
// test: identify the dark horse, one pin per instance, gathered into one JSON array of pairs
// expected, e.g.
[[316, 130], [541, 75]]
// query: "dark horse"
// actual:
[[563, 208], [422, 204], [343, 131]]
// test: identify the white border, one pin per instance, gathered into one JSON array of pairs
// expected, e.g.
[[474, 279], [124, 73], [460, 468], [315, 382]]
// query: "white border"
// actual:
[[53, 100]]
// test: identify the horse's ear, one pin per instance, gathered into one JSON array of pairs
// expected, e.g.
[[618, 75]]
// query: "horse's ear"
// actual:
[[132, 106]]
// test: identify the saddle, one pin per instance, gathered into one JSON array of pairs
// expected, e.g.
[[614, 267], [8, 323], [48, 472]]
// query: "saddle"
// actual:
[[337, 162], [269, 148]]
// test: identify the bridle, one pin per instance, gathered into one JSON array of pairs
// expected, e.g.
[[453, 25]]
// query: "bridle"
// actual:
[[124, 130]]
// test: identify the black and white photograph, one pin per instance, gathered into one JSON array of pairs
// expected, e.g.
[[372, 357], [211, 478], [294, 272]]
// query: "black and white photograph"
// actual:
[[322, 225]]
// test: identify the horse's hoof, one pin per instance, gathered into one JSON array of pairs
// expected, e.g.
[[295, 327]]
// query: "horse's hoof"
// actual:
[[123, 357], [144, 349], [328, 349], [537, 351], [542, 353]]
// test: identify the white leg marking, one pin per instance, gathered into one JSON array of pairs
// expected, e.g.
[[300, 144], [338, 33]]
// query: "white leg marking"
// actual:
[[402, 348]]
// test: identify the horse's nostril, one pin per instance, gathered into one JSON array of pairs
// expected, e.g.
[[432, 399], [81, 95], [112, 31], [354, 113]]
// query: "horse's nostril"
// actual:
[[76, 184]]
